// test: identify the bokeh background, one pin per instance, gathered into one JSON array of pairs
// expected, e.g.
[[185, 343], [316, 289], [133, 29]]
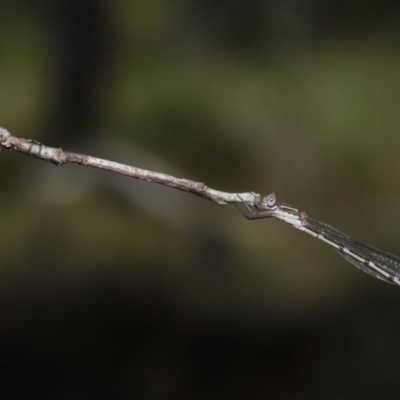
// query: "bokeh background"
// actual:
[[116, 288]]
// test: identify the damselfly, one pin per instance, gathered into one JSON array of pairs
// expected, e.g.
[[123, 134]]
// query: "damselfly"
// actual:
[[378, 263]]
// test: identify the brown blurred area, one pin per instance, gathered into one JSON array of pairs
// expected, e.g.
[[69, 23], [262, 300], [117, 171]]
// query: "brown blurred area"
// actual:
[[115, 288]]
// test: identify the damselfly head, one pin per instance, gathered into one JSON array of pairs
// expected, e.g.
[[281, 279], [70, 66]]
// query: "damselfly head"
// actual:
[[268, 201]]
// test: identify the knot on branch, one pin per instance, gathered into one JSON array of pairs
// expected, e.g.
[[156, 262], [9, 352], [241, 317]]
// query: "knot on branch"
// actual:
[[9, 143], [201, 187], [59, 158], [4, 134]]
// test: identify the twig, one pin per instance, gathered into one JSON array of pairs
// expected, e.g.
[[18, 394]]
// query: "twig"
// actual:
[[60, 157]]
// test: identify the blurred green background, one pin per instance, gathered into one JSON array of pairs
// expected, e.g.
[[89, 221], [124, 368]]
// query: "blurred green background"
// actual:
[[116, 288]]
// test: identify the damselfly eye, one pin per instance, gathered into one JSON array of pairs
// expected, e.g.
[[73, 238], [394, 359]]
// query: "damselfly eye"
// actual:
[[270, 200]]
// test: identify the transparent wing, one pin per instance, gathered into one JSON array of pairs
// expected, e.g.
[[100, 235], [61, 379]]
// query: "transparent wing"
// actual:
[[389, 263]]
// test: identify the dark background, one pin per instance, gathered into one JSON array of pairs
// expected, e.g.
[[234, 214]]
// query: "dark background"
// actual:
[[115, 288]]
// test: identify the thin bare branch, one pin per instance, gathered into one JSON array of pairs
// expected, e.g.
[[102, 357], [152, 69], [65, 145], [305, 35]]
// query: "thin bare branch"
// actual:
[[60, 157]]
